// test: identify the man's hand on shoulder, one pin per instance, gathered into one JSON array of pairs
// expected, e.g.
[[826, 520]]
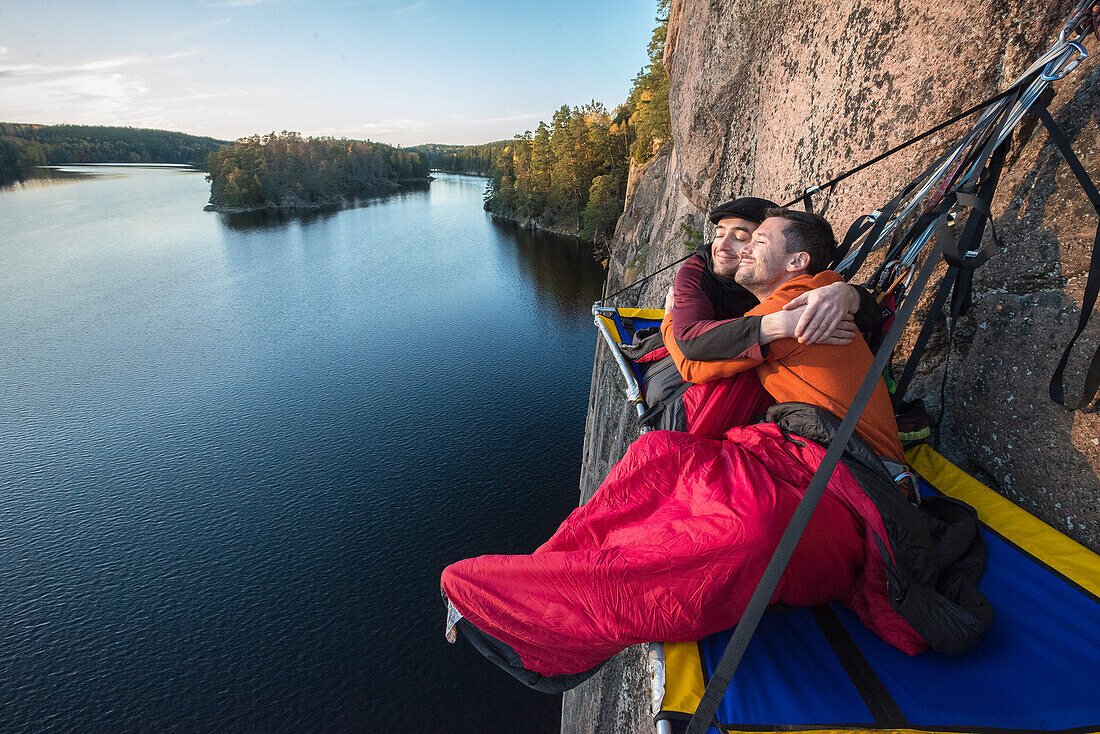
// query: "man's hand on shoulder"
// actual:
[[669, 298], [783, 325], [823, 311]]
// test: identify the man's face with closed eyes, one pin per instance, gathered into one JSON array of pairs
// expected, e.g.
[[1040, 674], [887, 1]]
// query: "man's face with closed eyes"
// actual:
[[729, 235]]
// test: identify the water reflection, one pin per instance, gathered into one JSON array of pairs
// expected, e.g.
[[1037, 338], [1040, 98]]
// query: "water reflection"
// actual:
[[562, 270], [41, 177], [250, 453], [268, 219]]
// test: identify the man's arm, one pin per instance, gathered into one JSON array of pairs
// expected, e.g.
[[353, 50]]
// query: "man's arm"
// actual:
[[775, 324], [830, 305], [701, 336], [696, 328], [702, 371]]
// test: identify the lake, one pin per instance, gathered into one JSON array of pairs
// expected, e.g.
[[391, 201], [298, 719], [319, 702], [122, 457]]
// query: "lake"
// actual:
[[236, 451]]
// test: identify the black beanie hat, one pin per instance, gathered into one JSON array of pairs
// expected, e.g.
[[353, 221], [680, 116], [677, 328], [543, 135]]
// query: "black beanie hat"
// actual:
[[747, 207]]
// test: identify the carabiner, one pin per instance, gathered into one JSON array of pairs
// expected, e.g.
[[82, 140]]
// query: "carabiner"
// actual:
[[1064, 66], [1079, 21], [887, 276]]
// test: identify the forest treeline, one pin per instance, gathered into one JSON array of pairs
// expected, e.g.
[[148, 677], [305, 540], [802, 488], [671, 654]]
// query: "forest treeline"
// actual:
[[460, 158], [571, 173], [24, 146], [287, 170]]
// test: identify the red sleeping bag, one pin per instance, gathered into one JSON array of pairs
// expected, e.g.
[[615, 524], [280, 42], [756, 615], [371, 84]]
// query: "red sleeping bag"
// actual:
[[671, 547]]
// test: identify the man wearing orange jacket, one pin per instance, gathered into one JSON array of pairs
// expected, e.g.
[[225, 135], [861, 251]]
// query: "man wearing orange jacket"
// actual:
[[779, 263], [709, 307], [709, 319]]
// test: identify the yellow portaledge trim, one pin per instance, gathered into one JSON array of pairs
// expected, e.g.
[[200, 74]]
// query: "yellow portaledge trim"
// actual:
[[612, 329], [684, 684], [656, 314], [1016, 525]]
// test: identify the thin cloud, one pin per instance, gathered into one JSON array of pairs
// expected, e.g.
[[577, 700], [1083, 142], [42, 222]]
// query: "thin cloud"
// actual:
[[88, 96], [45, 70], [241, 3], [509, 118], [393, 125], [93, 91]]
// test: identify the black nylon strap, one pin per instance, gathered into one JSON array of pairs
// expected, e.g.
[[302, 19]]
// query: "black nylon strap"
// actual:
[[974, 229], [1092, 285], [983, 145], [925, 333], [959, 276], [945, 201], [857, 228], [769, 581], [870, 687]]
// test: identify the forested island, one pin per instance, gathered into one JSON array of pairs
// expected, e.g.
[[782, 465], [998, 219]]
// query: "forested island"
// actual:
[[25, 146], [287, 171], [475, 159]]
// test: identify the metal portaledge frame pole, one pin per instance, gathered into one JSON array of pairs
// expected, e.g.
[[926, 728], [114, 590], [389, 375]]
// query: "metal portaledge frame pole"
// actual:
[[633, 390]]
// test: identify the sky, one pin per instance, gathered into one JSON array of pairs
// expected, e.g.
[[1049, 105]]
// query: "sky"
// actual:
[[397, 71]]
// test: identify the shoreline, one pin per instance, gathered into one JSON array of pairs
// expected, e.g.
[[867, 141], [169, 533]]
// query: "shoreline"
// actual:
[[462, 173], [291, 203], [529, 223]]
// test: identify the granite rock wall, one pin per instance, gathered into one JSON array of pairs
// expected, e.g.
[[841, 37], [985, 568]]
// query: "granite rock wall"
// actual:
[[768, 98]]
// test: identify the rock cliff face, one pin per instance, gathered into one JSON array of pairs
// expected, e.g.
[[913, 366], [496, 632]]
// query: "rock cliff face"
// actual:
[[768, 98]]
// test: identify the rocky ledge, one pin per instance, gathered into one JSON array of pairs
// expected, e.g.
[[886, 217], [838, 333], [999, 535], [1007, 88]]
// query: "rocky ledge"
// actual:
[[767, 99], [537, 225]]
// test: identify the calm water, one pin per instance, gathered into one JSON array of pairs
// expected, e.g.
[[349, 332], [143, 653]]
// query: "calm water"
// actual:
[[235, 454]]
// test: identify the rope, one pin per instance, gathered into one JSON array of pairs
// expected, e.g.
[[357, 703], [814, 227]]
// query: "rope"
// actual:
[[643, 280]]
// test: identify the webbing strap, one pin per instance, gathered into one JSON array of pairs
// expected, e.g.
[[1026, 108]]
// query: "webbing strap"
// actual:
[[773, 572], [925, 333], [856, 229], [957, 280], [958, 277], [946, 197], [886, 214], [876, 696], [1092, 285], [974, 229]]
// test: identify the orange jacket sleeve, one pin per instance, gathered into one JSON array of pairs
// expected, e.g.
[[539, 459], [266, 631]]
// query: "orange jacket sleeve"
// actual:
[[702, 372]]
